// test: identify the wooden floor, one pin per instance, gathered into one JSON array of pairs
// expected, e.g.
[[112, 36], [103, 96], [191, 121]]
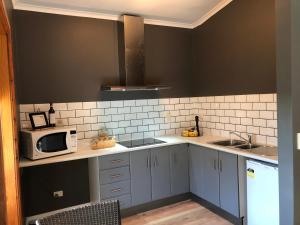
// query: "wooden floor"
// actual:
[[183, 213]]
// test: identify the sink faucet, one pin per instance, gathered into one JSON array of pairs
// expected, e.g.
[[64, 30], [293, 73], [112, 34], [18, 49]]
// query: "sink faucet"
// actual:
[[249, 140]]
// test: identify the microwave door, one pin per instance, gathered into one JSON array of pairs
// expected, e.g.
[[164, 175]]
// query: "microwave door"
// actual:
[[55, 142]]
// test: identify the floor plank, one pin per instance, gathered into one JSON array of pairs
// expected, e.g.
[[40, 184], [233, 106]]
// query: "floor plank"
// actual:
[[182, 213]]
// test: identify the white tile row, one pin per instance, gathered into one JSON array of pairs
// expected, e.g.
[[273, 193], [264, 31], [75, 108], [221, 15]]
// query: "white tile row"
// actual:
[[256, 114]]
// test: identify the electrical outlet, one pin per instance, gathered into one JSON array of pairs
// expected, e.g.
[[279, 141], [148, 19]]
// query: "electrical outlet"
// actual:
[[58, 194]]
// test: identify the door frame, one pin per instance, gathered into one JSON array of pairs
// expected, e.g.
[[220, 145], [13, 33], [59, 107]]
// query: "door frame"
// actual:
[[10, 211]]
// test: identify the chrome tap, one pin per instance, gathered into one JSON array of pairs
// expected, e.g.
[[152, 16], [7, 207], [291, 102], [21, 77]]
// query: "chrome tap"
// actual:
[[249, 140]]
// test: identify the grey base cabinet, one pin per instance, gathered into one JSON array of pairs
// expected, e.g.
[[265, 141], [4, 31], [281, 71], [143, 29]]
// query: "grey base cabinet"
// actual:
[[214, 177], [159, 173], [229, 183], [179, 162], [140, 177], [210, 177]]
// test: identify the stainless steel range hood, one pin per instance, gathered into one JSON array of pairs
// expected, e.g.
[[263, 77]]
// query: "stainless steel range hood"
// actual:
[[132, 57]]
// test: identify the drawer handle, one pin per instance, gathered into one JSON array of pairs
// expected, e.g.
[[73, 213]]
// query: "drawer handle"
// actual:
[[116, 161], [115, 175], [116, 190]]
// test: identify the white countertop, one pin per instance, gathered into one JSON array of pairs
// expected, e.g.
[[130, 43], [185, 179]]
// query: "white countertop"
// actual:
[[85, 151]]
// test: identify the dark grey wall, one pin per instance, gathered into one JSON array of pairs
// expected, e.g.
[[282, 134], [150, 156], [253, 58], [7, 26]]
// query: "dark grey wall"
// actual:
[[288, 77], [64, 58], [234, 51]]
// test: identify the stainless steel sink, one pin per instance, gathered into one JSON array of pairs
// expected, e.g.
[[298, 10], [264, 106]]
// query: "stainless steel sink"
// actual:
[[229, 142], [248, 146]]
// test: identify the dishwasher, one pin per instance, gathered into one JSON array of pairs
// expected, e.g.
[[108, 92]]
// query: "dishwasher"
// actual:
[[262, 193]]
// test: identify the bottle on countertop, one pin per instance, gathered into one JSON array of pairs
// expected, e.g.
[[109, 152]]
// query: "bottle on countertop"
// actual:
[[52, 119]]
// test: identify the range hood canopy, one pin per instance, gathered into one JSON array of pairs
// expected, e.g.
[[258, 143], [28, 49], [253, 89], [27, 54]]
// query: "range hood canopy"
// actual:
[[132, 56]]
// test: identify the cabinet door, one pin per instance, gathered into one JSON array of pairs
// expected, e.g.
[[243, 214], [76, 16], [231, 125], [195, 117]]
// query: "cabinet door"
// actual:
[[229, 188], [210, 176], [160, 173], [140, 176], [179, 161], [196, 170]]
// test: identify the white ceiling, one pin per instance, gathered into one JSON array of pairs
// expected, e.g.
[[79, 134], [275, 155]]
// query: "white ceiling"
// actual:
[[180, 13]]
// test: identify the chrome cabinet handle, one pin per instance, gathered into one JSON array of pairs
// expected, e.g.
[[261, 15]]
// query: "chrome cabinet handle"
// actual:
[[220, 165], [147, 161], [215, 164], [115, 175], [116, 190], [116, 161]]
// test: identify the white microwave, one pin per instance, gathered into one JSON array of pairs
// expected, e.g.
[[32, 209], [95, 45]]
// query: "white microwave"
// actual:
[[44, 143]]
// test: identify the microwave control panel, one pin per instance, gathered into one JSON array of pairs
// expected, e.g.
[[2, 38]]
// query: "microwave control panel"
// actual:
[[73, 135]]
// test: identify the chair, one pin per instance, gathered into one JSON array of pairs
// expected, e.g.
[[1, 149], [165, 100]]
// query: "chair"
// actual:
[[100, 213]]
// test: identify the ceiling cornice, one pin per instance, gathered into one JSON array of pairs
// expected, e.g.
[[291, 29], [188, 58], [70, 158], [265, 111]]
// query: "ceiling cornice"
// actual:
[[81, 13]]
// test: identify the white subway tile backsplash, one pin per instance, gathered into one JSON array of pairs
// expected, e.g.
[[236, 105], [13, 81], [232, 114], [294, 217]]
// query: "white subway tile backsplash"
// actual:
[[41, 107], [97, 112], [124, 110], [266, 115], [148, 108], [90, 119], [153, 102], [124, 123], [117, 117], [89, 105], [103, 105], [252, 98], [83, 112], [60, 106], [129, 103], [104, 119], [267, 131], [67, 114], [143, 128], [116, 104], [136, 122], [131, 130], [74, 105], [136, 109], [259, 122], [131, 116], [118, 131], [84, 127], [141, 102], [27, 108], [266, 98], [110, 111], [75, 121], [127, 119]]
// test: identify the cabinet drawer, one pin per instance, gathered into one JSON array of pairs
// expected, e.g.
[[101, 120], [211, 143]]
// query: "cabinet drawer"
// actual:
[[114, 175], [125, 201], [114, 189], [113, 161]]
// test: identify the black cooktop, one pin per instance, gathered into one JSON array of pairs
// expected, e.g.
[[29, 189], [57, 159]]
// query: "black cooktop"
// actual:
[[140, 142]]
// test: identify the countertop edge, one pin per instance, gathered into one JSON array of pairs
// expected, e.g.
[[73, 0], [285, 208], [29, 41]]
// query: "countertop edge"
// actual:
[[84, 151]]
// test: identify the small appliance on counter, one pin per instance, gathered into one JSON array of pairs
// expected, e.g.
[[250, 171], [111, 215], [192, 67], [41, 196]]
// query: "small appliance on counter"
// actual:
[[103, 141], [48, 142], [193, 132]]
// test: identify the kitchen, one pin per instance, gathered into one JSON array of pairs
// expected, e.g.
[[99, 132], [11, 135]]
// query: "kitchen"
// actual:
[[186, 132]]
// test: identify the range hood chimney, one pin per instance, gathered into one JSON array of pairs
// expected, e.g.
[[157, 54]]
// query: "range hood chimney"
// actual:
[[132, 56]]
